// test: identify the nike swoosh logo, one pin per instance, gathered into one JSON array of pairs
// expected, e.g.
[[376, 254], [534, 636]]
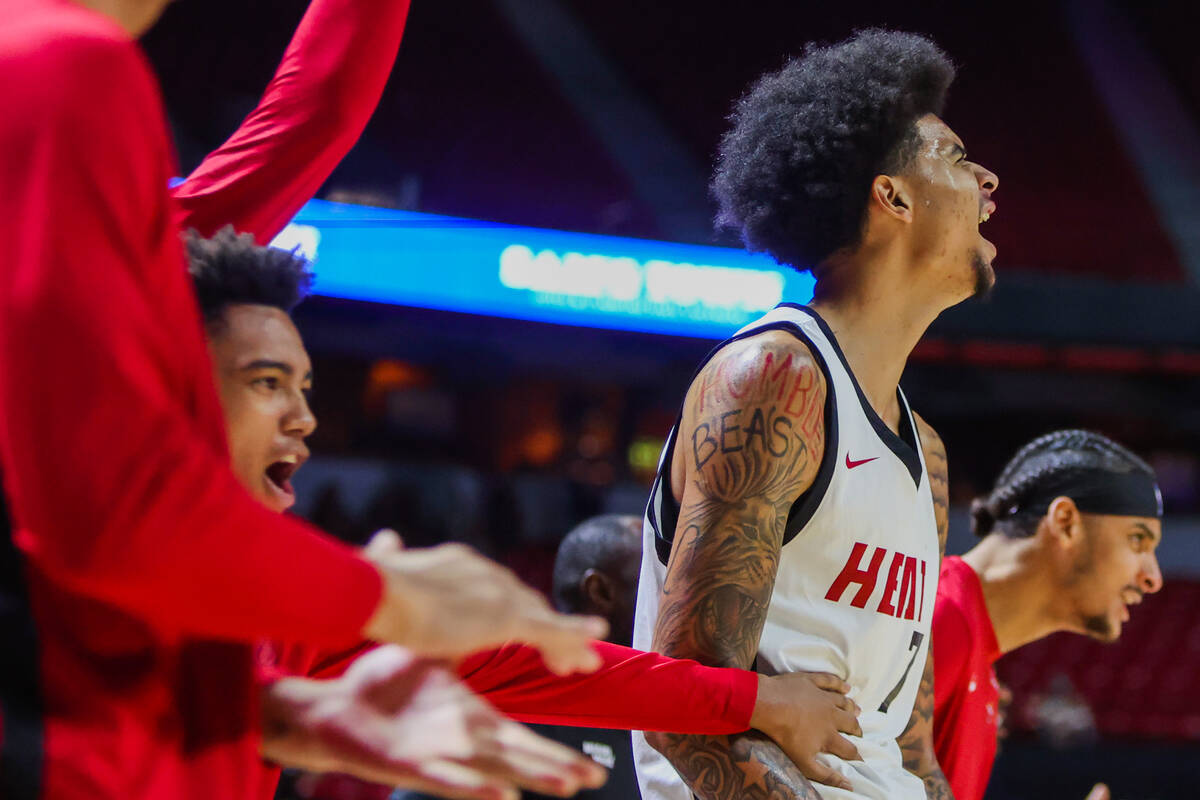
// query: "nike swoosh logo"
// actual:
[[852, 464]]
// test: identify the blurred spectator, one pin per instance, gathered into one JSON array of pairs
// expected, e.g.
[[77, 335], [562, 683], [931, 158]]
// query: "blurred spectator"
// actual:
[[1063, 718], [596, 571]]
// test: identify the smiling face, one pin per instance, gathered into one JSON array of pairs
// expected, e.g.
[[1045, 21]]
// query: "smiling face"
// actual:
[[1114, 568], [949, 197], [263, 375]]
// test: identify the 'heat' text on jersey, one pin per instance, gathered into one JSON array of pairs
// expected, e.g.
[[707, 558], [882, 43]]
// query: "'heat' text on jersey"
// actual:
[[901, 597]]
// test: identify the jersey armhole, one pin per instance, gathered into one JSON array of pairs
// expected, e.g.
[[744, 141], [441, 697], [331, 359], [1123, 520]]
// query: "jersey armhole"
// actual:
[[662, 509]]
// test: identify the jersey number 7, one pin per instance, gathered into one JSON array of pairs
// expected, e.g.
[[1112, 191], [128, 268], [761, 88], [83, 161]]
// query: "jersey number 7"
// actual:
[[917, 638]]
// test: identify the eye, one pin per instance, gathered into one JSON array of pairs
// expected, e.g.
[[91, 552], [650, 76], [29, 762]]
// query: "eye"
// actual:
[[270, 383], [1139, 540]]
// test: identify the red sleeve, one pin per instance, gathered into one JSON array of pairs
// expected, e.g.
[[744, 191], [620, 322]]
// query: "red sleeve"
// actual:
[[110, 428], [631, 690], [312, 113]]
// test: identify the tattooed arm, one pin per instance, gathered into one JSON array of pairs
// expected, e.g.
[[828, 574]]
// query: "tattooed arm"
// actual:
[[916, 743], [749, 444]]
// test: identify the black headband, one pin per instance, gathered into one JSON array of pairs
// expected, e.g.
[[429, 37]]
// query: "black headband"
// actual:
[[1099, 491]]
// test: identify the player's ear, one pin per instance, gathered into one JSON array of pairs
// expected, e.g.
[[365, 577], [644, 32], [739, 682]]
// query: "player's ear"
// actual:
[[598, 591], [890, 197], [1065, 522]]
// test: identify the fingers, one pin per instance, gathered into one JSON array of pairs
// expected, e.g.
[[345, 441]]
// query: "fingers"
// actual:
[[814, 770], [847, 722], [440, 777], [564, 641], [383, 543], [518, 756], [847, 705], [841, 747], [1099, 792], [828, 682], [588, 773]]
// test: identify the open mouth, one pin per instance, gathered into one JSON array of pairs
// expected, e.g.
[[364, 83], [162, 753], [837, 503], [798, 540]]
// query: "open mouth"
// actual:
[[986, 212], [279, 476]]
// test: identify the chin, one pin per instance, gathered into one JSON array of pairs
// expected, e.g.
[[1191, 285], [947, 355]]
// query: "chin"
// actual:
[[273, 500], [1102, 628], [985, 276]]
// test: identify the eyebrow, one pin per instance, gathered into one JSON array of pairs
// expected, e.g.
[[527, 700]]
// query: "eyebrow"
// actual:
[[266, 363]]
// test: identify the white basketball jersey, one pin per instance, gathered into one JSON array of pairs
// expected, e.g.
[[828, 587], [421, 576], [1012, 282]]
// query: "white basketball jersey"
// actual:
[[857, 577]]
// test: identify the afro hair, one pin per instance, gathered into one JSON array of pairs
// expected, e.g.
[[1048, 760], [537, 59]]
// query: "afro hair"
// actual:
[[794, 171]]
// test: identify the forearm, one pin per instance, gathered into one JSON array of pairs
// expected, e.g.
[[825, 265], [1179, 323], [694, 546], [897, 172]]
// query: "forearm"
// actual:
[[936, 785], [745, 766], [631, 690], [312, 113]]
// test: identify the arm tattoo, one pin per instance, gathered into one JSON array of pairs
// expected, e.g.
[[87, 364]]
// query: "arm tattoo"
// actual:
[[752, 439], [748, 766], [916, 743]]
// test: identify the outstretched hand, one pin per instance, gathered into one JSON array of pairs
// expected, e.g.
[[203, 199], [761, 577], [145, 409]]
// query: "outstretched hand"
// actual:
[[806, 713], [449, 601], [397, 720]]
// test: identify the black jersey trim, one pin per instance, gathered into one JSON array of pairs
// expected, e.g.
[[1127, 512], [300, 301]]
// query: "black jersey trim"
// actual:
[[805, 505], [21, 711], [905, 445]]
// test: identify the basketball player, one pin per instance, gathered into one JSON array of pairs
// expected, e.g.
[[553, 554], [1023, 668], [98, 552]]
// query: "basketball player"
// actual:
[[1068, 539], [799, 513], [148, 570], [262, 372]]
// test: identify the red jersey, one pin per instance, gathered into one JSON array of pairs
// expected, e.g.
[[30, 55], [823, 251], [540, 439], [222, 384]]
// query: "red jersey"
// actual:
[[966, 693], [147, 569]]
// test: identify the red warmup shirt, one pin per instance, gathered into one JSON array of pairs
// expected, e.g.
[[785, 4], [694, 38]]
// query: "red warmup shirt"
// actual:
[[147, 570], [631, 690], [966, 694]]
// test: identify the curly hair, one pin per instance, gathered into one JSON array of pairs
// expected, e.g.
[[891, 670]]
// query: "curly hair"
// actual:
[[794, 171], [231, 269], [1020, 498]]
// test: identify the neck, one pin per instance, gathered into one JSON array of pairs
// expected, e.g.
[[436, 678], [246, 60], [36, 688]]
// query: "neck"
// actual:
[[877, 319], [1018, 591]]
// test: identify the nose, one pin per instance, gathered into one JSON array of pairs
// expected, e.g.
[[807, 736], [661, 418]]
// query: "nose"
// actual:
[[300, 420], [1150, 578], [988, 181]]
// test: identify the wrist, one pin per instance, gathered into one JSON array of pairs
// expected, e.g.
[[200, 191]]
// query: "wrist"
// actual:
[[394, 618], [760, 717], [279, 702]]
